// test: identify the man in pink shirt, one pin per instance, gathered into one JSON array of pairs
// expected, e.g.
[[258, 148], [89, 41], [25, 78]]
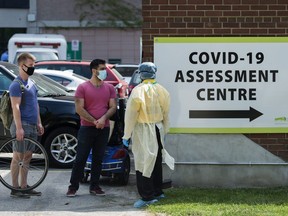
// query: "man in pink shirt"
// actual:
[[95, 102]]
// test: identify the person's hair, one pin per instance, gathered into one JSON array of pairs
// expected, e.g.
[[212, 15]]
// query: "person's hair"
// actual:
[[95, 63], [24, 56]]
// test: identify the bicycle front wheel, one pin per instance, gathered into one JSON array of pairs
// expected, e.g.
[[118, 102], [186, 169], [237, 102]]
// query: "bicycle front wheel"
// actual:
[[23, 163]]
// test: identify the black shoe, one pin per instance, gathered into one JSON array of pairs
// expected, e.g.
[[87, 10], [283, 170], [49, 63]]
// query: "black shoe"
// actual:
[[33, 192], [19, 194]]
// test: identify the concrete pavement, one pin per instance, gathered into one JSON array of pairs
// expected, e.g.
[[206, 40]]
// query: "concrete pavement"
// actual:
[[118, 200]]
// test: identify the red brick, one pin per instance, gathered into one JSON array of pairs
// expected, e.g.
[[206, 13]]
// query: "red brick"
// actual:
[[276, 31], [170, 19], [258, 31], [159, 13], [222, 7], [259, 7], [157, 2], [250, 2], [178, 2], [177, 25], [231, 25], [146, 25], [150, 19], [150, 7], [277, 7], [186, 7], [195, 25], [150, 31], [196, 2], [222, 31], [231, 13], [249, 13], [232, 2], [186, 31], [268, 141], [282, 25], [168, 31], [177, 13], [249, 25], [276, 135], [187, 19], [282, 13], [146, 14], [168, 7], [240, 31], [213, 2], [240, 19], [277, 147], [204, 7], [240, 7], [160, 25], [266, 25], [268, 13], [213, 13], [160, 19], [213, 25], [269, 2], [195, 13], [203, 31]]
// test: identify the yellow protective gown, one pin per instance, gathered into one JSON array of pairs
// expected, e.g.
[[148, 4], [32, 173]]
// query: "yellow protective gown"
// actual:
[[147, 106]]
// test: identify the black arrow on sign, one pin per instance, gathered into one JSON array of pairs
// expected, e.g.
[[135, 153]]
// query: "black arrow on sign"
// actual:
[[251, 114]]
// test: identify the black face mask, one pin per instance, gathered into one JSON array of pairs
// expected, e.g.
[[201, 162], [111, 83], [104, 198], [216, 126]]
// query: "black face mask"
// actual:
[[30, 70]]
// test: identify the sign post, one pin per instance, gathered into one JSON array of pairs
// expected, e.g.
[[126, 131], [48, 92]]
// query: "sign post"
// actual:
[[75, 47], [74, 50]]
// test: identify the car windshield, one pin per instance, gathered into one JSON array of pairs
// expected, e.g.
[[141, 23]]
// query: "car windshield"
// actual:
[[79, 76], [126, 71], [45, 85], [120, 77]]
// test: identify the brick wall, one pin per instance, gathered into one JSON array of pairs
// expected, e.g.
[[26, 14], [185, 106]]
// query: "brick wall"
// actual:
[[221, 18]]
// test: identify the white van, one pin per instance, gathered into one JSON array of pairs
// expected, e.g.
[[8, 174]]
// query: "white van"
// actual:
[[42, 46]]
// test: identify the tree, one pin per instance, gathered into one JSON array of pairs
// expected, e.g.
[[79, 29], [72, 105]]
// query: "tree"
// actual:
[[114, 13]]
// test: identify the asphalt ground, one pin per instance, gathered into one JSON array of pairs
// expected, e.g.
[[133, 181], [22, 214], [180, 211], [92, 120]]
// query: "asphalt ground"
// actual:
[[118, 200]]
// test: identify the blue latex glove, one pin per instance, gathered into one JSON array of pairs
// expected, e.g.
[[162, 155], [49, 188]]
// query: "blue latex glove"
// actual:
[[125, 142]]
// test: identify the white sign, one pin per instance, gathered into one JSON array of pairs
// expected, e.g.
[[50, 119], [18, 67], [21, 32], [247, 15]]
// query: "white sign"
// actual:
[[75, 45], [225, 85]]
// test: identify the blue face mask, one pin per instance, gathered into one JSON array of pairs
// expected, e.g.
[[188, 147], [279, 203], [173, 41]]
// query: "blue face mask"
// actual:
[[102, 75]]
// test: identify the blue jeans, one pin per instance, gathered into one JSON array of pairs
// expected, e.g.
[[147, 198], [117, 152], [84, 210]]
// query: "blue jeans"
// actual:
[[89, 138]]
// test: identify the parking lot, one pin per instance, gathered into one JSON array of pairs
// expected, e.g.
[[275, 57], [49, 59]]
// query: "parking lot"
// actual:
[[118, 200]]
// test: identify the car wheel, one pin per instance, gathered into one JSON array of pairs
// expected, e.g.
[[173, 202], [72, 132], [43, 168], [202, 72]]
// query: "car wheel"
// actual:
[[123, 178], [61, 146]]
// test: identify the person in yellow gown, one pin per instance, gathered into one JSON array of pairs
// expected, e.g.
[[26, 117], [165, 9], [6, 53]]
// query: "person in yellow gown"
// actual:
[[146, 123]]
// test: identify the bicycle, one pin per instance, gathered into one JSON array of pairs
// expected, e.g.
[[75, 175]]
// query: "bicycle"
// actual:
[[37, 168]]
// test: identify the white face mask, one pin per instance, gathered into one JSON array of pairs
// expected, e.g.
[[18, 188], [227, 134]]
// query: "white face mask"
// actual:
[[102, 75]]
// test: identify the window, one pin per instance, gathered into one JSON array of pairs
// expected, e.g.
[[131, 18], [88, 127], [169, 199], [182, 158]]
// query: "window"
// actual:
[[23, 4], [4, 82], [61, 80]]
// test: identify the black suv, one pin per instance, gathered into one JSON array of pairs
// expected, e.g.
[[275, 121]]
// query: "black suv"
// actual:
[[58, 116]]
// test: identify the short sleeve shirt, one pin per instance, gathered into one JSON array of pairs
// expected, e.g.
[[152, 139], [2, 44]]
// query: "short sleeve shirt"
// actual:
[[29, 103], [96, 100]]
